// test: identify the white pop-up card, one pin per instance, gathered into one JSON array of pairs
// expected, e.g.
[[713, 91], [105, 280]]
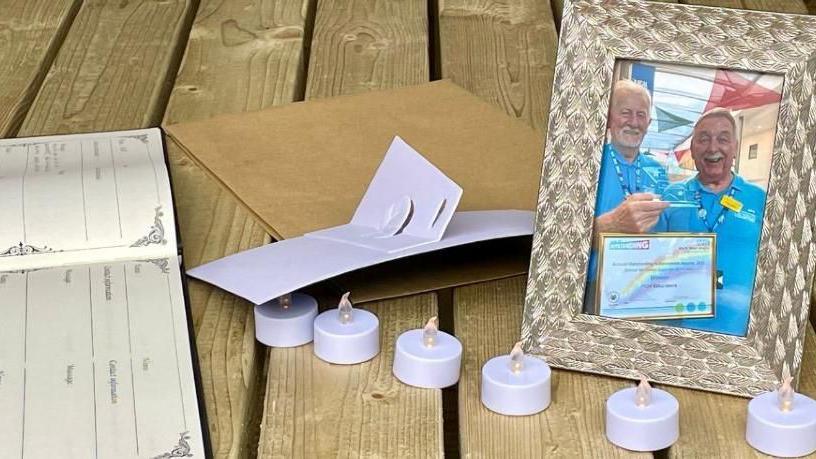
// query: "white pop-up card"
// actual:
[[408, 203], [408, 209]]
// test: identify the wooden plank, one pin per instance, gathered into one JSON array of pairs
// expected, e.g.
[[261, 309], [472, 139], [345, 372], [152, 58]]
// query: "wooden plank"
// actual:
[[357, 46], [316, 409], [713, 425], [213, 225], [488, 320], [720, 3], [242, 55], [503, 51], [776, 6], [360, 45], [114, 68], [813, 304], [31, 32]]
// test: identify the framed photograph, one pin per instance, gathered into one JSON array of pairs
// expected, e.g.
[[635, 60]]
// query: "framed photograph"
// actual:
[[673, 236]]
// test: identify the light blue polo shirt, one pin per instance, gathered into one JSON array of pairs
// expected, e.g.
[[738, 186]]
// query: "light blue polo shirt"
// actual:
[[653, 179], [737, 250]]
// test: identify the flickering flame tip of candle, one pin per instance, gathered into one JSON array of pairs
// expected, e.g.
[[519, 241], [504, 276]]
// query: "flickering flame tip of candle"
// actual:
[[345, 310], [517, 358], [785, 394], [643, 393], [285, 301], [430, 331]]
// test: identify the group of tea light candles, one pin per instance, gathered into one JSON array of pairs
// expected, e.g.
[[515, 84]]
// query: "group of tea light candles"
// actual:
[[780, 423], [514, 384], [344, 335]]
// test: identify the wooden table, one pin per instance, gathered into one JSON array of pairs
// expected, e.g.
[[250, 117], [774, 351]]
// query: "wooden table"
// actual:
[[74, 66]]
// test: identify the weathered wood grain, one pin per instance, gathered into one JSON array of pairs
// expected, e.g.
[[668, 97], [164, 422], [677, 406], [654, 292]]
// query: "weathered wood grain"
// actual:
[[488, 321], [720, 3], [31, 32], [213, 225], [360, 45], [316, 409], [502, 51], [713, 425], [505, 53], [242, 55], [114, 68], [813, 304], [557, 7], [777, 6]]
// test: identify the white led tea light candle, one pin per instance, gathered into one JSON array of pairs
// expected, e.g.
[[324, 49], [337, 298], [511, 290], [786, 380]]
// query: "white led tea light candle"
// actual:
[[427, 357], [642, 418], [346, 335], [782, 423], [516, 384], [287, 321]]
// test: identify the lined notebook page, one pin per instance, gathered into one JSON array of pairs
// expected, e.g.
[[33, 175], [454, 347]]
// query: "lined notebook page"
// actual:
[[95, 354], [81, 198]]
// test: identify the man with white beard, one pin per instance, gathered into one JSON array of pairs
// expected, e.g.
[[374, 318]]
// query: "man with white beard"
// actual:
[[630, 181], [726, 205]]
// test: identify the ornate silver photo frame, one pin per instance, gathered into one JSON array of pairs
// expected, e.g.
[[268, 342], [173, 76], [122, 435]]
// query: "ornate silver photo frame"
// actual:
[[596, 36]]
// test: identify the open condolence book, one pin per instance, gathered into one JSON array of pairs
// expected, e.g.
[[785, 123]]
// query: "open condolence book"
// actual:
[[95, 350]]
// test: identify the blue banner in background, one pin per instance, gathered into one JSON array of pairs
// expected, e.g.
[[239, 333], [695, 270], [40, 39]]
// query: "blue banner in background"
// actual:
[[644, 74]]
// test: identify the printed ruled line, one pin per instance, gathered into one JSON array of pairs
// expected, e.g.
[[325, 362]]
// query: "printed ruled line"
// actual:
[[90, 302], [25, 367], [155, 173], [93, 365], [116, 186], [130, 349], [22, 192], [25, 323], [22, 439], [175, 347], [82, 179], [96, 419]]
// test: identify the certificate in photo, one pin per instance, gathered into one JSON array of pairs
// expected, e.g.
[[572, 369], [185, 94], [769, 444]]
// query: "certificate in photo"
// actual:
[[656, 276]]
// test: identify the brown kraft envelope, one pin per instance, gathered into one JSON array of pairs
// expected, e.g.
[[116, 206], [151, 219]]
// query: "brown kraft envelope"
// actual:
[[304, 166]]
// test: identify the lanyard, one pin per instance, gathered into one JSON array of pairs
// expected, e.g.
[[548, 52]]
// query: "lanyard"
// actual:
[[624, 185], [703, 213]]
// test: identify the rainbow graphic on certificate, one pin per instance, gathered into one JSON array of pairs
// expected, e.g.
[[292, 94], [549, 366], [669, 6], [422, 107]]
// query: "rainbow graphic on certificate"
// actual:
[[657, 276]]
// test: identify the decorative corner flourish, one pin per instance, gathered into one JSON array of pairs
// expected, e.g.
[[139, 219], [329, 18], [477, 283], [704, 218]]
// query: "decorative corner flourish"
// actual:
[[156, 233], [140, 137], [182, 448], [161, 263], [21, 249]]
